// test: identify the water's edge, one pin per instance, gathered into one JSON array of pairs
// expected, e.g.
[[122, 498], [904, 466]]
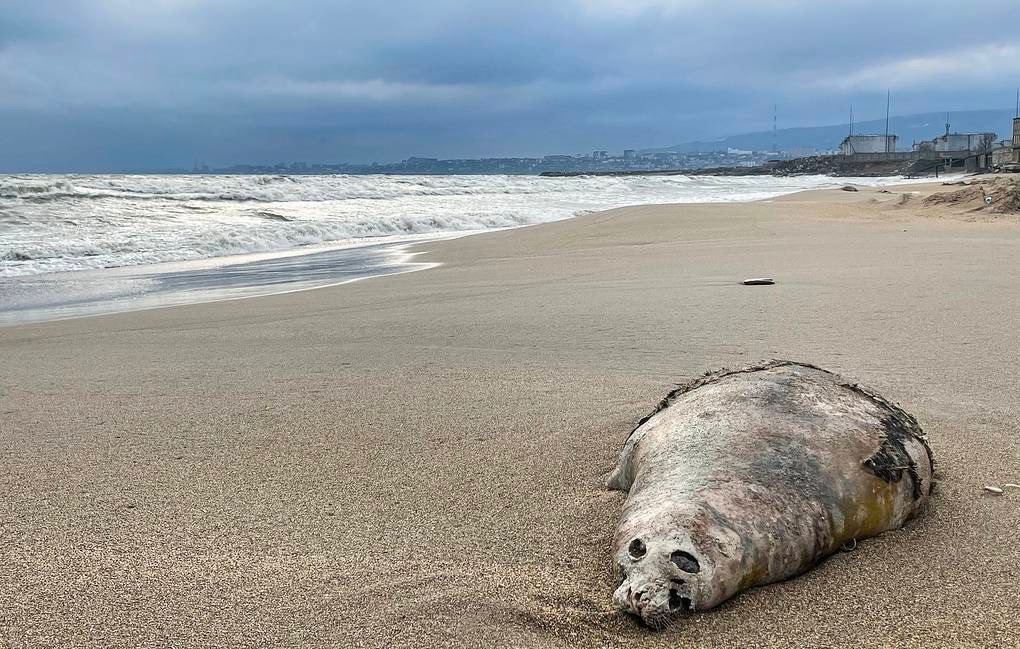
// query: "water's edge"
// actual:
[[61, 296], [157, 290]]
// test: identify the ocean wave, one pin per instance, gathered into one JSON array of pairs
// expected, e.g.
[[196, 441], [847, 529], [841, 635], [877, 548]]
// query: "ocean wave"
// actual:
[[278, 232], [259, 188], [273, 216], [77, 222]]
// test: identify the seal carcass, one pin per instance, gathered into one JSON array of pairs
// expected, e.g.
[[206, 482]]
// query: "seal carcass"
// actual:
[[746, 477]]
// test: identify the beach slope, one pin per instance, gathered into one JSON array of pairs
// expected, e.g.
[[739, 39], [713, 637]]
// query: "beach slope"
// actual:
[[420, 459]]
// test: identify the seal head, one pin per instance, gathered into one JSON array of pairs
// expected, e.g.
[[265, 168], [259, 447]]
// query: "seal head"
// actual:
[[657, 580], [672, 563]]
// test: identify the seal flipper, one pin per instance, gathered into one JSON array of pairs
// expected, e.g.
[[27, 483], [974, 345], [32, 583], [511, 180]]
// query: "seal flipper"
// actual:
[[622, 476], [892, 458], [618, 480]]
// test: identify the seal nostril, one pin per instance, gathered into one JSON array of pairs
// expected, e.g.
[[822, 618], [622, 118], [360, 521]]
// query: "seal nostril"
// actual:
[[685, 561], [640, 596], [636, 549], [678, 602]]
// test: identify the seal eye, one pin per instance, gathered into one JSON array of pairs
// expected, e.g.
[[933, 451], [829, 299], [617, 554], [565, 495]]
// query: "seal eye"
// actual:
[[685, 561], [636, 549]]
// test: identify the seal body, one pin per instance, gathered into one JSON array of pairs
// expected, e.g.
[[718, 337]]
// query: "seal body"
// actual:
[[746, 477]]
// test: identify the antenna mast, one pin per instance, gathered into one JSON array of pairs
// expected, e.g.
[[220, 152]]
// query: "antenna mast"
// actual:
[[888, 94], [775, 137]]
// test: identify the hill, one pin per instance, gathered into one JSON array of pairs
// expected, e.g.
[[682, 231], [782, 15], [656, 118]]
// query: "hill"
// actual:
[[921, 126]]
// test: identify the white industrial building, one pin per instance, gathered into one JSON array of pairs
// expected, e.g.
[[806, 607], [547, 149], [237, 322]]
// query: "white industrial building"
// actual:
[[964, 141], [957, 142], [867, 144]]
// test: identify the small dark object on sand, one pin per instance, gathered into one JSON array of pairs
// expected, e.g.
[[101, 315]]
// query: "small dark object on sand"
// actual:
[[758, 281], [848, 188]]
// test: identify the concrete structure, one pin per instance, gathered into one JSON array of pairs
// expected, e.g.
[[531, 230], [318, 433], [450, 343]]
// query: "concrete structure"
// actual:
[[1003, 155], [971, 151], [1016, 139], [899, 156], [854, 144], [964, 141]]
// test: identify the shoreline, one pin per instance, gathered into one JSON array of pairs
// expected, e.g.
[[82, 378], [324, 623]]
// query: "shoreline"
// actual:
[[213, 291], [420, 460], [394, 259]]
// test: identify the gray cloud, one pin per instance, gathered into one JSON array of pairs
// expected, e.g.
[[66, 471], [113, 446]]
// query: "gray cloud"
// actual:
[[109, 84]]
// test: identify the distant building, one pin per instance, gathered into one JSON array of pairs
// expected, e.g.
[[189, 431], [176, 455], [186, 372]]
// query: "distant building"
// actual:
[[1004, 154], [600, 155], [629, 154], [867, 144], [801, 151], [1016, 139], [957, 142], [964, 141]]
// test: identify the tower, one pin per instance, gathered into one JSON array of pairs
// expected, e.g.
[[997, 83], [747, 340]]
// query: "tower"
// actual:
[[775, 137], [888, 95]]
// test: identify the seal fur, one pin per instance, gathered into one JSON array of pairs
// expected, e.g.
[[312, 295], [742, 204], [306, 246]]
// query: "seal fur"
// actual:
[[745, 477]]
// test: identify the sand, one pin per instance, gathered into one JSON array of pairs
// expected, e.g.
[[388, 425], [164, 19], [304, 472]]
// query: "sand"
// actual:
[[418, 460]]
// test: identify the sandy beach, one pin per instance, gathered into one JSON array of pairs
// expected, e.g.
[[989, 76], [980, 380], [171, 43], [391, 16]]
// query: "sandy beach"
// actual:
[[419, 460]]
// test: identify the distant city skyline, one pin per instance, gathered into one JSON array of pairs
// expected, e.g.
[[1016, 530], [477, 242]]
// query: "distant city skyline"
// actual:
[[744, 149], [101, 85]]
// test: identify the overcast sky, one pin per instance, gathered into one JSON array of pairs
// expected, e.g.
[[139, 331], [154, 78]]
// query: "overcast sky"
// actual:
[[146, 84]]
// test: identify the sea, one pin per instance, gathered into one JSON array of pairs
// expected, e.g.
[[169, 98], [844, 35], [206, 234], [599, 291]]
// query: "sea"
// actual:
[[76, 245]]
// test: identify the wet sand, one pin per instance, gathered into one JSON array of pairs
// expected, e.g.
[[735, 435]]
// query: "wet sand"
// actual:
[[419, 459]]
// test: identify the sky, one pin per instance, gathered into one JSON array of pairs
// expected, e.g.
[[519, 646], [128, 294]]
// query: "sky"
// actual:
[[108, 85]]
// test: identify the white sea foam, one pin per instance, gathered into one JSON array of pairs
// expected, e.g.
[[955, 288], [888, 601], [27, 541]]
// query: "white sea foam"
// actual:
[[60, 223]]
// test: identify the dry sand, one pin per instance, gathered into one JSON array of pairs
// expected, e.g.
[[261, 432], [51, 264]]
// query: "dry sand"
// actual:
[[418, 459]]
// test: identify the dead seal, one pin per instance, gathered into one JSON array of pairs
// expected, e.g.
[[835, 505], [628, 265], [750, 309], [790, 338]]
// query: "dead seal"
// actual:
[[747, 477]]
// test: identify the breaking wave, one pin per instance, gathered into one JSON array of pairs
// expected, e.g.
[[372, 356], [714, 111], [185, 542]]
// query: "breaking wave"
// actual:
[[54, 223], [254, 188]]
